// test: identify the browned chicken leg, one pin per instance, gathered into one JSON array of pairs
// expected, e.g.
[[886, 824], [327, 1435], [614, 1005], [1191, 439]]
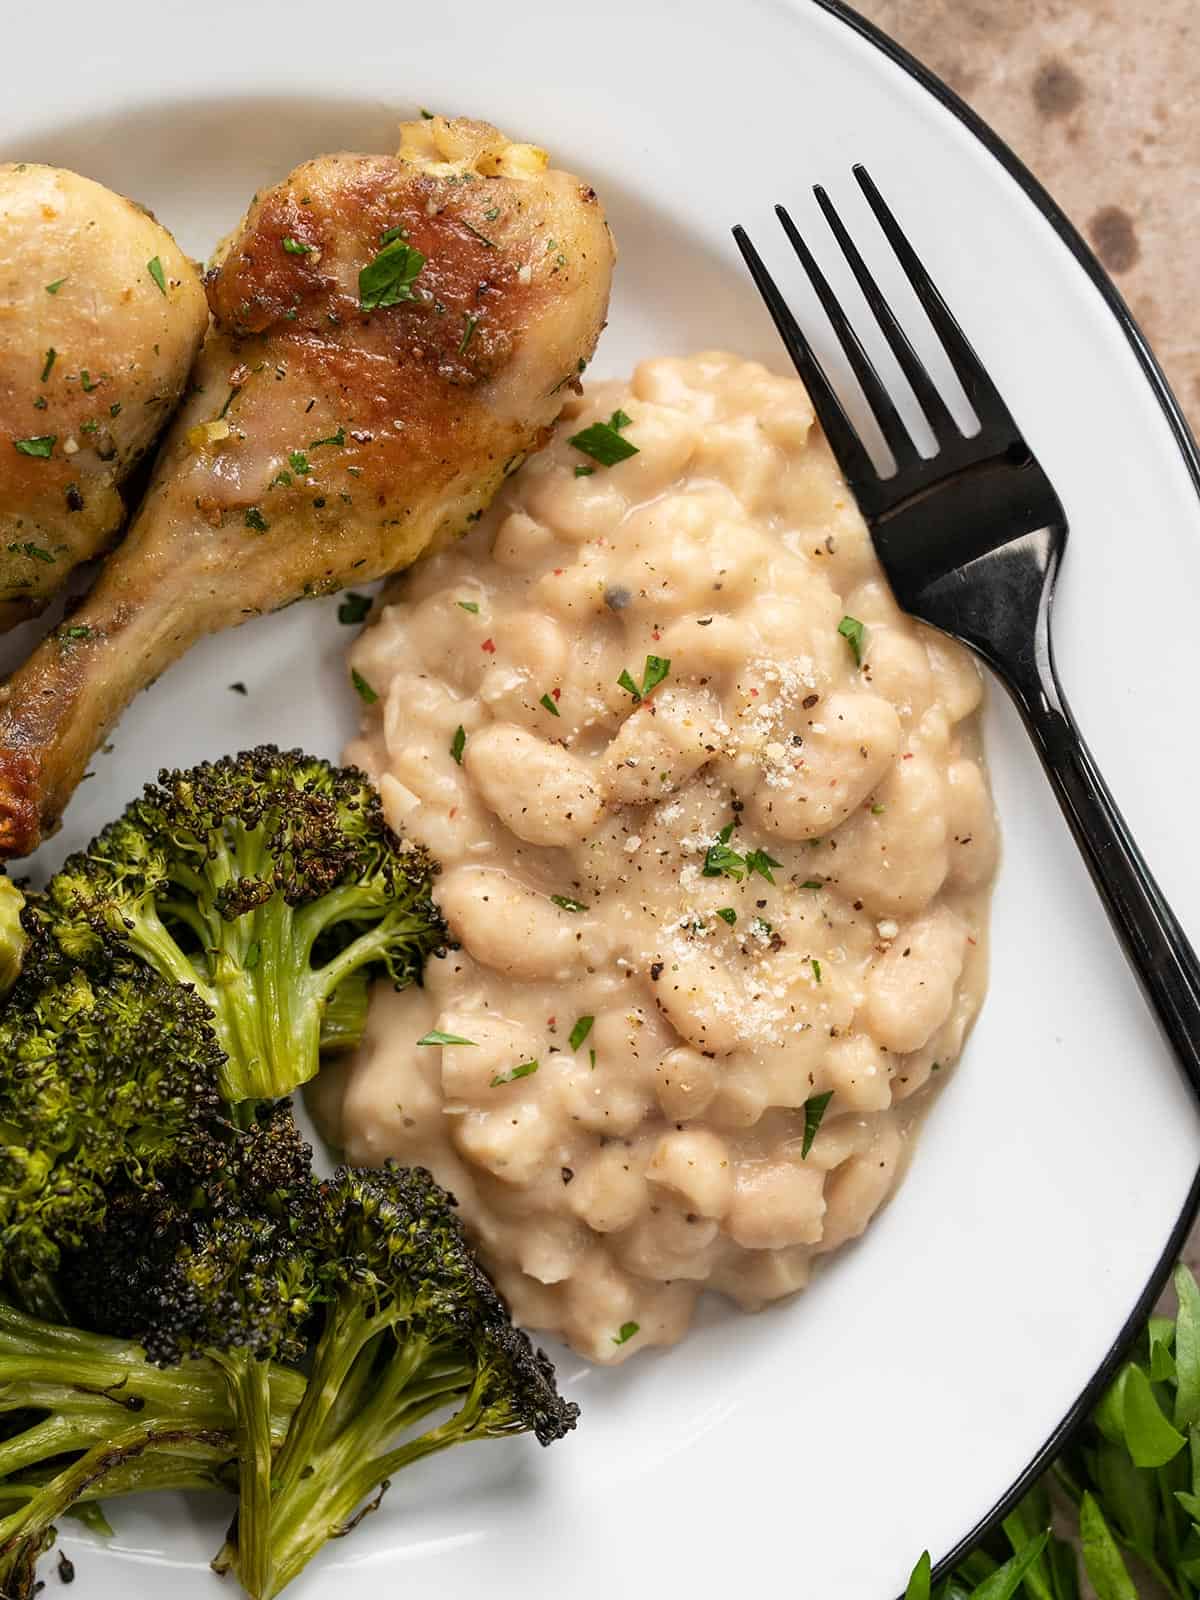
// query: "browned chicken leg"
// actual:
[[391, 336], [101, 315]]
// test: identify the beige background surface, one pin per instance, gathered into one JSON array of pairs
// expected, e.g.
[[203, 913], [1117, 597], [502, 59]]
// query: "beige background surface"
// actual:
[[1099, 98]]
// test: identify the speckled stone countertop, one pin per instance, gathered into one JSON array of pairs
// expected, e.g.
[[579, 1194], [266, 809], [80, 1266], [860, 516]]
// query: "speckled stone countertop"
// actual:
[[1099, 98]]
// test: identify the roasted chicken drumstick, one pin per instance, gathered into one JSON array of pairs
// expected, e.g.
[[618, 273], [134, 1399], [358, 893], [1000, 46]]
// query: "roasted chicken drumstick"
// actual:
[[391, 336], [101, 315]]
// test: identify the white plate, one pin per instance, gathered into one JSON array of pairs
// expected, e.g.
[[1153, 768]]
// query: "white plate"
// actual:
[[817, 1448]]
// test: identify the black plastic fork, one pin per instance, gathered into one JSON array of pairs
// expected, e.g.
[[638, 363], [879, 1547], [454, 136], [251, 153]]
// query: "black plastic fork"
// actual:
[[971, 539]]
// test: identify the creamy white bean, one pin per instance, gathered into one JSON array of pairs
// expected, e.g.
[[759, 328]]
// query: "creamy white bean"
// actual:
[[684, 918]]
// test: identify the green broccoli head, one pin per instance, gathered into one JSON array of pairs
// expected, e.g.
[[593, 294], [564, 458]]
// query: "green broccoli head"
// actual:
[[215, 1256], [12, 934], [107, 1078], [269, 880]]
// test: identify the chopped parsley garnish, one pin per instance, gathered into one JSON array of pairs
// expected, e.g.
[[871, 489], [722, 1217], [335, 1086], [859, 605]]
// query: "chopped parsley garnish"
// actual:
[[281, 480], [584, 472], [491, 213], [525, 1070], [85, 381], [469, 605], [354, 607], [722, 862], [548, 702], [813, 883], [482, 237], [814, 1110], [816, 968], [33, 551], [603, 441], [653, 673], [80, 631], [567, 904], [759, 861], [90, 426], [428, 115], [627, 1331], [580, 1032], [365, 692], [458, 744], [437, 1037], [48, 365], [388, 279], [472, 324], [114, 410], [53, 288], [877, 810], [155, 268], [592, 1060], [338, 439], [762, 926], [727, 914], [40, 445], [390, 234], [297, 247], [298, 461], [256, 520], [852, 630], [40, 403]]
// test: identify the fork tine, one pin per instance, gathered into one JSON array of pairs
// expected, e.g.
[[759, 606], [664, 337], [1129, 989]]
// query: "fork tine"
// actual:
[[899, 441], [979, 388], [853, 459], [913, 368]]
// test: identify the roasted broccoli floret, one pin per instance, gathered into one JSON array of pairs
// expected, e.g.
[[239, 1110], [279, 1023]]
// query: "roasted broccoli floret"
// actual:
[[12, 935], [411, 1326], [83, 1416], [105, 1078], [269, 880]]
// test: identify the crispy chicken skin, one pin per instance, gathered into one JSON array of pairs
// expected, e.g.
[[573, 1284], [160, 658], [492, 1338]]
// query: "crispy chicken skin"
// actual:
[[323, 443], [94, 354]]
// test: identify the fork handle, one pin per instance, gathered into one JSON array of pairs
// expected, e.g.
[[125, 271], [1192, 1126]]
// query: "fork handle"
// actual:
[[1154, 941]]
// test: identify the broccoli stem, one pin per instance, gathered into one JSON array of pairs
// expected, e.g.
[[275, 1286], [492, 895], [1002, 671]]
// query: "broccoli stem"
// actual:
[[250, 1392]]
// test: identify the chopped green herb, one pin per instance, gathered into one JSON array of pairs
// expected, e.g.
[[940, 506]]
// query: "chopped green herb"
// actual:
[[256, 520], [298, 461], [491, 213], [33, 551], [653, 673], [85, 381], [114, 410], [428, 115], [525, 1070], [388, 279], [584, 472], [628, 1329], [813, 883], [722, 862], [548, 702], [469, 605], [592, 1060], [437, 1037], [40, 403], [297, 247], [482, 237], [251, 958], [472, 324], [603, 441], [365, 691], [816, 968], [281, 480], [727, 914], [877, 810], [759, 861], [852, 630], [390, 234], [338, 439], [761, 925], [40, 445], [53, 288], [155, 268], [814, 1110], [580, 1032], [353, 608], [89, 427], [458, 744], [48, 365], [79, 631], [567, 904]]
